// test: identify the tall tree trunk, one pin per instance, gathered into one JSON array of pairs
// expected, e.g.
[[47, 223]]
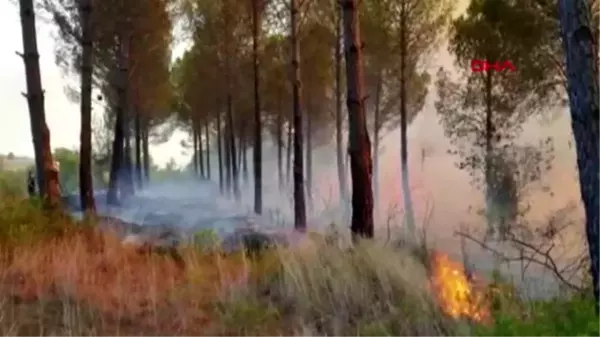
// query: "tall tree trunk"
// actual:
[[230, 128], [582, 75], [195, 151], [241, 147], [228, 159], [200, 150], [289, 147], [231, 143], [257, 153], [279, 143], [376, 129], [52, 188], [207, 132], [220, 150], [347, 157], [406, 193], [489, 135], [115, 186], [360, 145], [299, 202], [124, 102], [117, 156], [127, 162], [35, 94], [244, 164], [339, 141], [86, 187], [146, 150], [138, 150], [309, 168]]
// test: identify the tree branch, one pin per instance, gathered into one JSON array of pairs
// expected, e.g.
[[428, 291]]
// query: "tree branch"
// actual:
[[547, 263]]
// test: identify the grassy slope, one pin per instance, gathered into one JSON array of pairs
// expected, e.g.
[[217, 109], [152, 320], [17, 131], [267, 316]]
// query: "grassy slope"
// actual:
[[60, 277]]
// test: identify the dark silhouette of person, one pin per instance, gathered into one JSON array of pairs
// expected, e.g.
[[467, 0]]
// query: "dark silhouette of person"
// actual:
[[31, 184]]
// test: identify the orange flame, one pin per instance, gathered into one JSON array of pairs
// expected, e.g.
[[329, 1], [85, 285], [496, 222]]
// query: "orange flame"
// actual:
[[455, 292]]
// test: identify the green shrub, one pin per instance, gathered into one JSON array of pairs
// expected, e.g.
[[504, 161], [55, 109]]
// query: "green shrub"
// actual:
[[206, 239], [24, 221], [572, 316]]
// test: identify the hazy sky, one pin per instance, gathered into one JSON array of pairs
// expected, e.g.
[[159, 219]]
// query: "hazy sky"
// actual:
[[62, 115]]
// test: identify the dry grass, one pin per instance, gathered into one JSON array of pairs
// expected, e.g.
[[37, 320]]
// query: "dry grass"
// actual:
[[369, 290], [89, 284], [99, 286]]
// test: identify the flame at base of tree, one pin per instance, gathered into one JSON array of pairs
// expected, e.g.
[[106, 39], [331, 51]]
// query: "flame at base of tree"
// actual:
[[456, 294]]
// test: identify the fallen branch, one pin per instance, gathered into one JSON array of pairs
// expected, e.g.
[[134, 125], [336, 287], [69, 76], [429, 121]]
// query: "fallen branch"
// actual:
[[547, 261]]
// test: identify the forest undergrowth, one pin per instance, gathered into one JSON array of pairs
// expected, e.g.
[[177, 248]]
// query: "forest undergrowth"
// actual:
[[62, 277]]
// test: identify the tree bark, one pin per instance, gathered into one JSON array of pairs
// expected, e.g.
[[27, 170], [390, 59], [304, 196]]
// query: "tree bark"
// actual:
[[242, 145], [406, 193], [360, 146], [220, 150], [118, 170], [200, 150], [376, 129], [299, 202], [127, 168], [117, 157], [309, 166], [138, 150], [228, 158], [124, 101], [582, 75], [244, 164], [35, 94], [146, 150], [232, 176], [86, 187], [489, 148], [52, 197], [289, 147], [257, 153], [195, 152], [207, 132], [231, 143], [279, 144], [339, 141]]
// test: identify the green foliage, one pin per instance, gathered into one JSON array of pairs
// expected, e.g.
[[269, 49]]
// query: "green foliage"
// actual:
[[69, 169], [574, 316], [426, 23], [24, 221], [206, 239], [513, 315], [483, 34], [492, 30]]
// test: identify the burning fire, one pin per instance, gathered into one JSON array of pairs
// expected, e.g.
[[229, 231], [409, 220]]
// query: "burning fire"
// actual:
[[455, 291]]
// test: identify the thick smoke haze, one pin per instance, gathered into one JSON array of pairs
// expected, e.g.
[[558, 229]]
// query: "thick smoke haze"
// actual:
[[443, 195]]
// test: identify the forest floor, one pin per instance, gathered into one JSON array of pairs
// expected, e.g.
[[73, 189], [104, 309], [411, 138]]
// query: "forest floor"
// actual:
[[60, 276]]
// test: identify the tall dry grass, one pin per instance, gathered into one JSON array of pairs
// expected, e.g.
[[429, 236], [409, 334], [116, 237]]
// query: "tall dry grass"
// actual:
[[83, 282]]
